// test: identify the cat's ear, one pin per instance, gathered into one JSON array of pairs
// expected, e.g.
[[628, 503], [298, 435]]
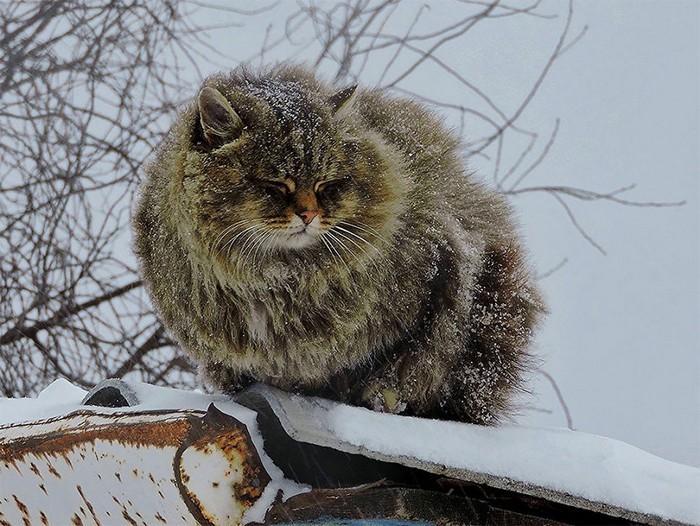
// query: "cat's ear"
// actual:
[[342, 100], [220, 122]]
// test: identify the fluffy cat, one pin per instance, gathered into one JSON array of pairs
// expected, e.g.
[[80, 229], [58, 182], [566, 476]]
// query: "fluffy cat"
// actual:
[[332, 243]]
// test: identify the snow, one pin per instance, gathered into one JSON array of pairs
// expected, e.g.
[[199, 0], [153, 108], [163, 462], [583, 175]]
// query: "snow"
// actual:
[[562, 465], [59, 398]]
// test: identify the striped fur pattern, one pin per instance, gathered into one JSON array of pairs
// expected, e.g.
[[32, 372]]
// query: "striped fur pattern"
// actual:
[[407, 291]]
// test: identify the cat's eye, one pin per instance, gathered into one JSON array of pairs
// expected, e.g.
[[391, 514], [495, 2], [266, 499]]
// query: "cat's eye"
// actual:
[[328, 188], [275, 189]]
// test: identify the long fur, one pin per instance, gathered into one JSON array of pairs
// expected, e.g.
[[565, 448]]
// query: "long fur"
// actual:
[[415, 299]]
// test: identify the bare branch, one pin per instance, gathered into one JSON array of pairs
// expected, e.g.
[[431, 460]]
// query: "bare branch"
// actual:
[[560, 398]]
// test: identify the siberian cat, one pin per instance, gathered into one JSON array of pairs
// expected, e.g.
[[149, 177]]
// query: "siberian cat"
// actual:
[[332, 243]]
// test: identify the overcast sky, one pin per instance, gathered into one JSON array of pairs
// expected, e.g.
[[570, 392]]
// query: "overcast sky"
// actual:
[[622, 337]]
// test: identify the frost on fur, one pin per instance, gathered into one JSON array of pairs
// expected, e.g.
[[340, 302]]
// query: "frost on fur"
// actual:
[[329, 241]]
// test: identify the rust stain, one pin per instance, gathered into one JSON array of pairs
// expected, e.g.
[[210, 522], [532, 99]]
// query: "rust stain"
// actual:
[[35, 470], [59, 443], [129, 518], [202, 509], [89, 505], [225, 433], [237, 447], [21, 505], [206, 433], [23, 510]]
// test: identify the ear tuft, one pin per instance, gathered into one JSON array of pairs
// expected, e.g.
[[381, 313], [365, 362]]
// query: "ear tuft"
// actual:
[[342, 99], [220, 122]]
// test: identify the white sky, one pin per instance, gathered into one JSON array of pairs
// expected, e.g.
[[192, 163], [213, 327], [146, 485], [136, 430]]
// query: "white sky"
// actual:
[[622, 338]]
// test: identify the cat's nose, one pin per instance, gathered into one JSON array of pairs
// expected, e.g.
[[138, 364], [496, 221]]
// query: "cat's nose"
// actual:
[[308, 215]]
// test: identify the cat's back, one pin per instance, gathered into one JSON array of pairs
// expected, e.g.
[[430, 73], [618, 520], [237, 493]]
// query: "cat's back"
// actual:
[[416, 131], [432, 157]]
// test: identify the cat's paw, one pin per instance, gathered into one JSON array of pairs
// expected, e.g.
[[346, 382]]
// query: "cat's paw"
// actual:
[[384, 400]]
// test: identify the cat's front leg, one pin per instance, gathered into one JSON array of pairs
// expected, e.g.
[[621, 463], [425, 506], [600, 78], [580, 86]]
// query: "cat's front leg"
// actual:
[[225, 378], [407, 384], [382, 393]]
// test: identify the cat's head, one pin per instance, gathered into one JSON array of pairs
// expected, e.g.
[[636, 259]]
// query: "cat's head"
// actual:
[[283, 166]]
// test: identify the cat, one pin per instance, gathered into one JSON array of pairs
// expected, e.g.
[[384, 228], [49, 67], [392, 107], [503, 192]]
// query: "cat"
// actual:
[[331, 242]]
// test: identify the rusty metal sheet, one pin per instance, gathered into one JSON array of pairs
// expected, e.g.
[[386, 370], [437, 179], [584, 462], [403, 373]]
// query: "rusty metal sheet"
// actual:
[[152, 467]]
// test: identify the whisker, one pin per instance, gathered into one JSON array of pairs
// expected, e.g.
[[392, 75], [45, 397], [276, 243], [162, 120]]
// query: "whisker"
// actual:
[[351, 241], [364, 270], [330, 244], [231, 241], [230, 228], [249, 240], [263, 238], [334, 236], [325, 242], [372, 261], [357, 236], [271, 242], [365, 228], [251, 243]]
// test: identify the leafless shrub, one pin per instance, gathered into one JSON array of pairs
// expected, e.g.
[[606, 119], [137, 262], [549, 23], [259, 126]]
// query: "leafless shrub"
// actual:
[[85, 93]]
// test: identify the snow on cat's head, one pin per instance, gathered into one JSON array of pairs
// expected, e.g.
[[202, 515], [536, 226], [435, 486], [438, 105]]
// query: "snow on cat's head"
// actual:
[[280, 165]]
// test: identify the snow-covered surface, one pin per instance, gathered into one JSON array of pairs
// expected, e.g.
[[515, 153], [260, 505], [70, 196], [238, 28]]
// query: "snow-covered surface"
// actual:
[[566, 466], [62, 398], [570, 467]]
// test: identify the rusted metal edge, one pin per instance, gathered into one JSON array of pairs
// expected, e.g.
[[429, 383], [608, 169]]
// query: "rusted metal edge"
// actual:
[[214, 426], [388, 502], [28, 457]]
